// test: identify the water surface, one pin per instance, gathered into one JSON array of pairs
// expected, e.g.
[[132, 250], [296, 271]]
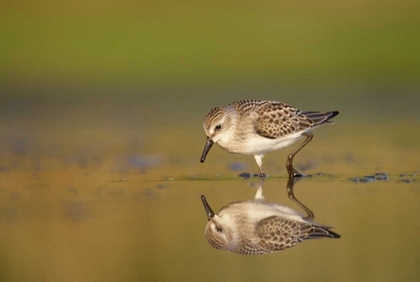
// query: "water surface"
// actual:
[[73, 211]]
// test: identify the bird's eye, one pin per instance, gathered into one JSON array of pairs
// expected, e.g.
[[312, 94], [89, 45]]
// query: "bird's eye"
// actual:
[[219, 229], [218, 127]]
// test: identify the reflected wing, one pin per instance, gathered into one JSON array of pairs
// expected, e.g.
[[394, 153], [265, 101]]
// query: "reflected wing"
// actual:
[[279, 233]]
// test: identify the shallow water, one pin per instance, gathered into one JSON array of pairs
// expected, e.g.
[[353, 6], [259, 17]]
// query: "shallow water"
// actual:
[[104, 213], [153, 231]]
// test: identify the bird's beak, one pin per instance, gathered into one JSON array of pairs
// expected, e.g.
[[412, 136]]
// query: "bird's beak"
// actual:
[[209, 211], [207, 148]]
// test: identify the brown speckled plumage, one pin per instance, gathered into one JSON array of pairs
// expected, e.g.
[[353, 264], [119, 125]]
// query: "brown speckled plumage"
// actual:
[[254, 127]]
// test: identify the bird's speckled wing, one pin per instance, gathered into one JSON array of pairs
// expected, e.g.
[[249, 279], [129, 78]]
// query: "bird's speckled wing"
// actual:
[[276, 120], [278, 233]]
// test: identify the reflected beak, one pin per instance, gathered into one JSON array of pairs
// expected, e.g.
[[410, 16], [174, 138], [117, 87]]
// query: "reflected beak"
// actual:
[[207, 148], [209, 211]]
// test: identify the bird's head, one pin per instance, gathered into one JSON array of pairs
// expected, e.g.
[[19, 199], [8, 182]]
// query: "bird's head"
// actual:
[[219, 126], [220, 230]]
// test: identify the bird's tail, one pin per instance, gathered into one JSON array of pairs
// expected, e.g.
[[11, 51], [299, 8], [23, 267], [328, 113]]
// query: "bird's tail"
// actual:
[[322, 232], [320, 117]]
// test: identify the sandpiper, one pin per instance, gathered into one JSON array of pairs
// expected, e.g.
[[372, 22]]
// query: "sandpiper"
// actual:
[[255, 127], [260, 227]]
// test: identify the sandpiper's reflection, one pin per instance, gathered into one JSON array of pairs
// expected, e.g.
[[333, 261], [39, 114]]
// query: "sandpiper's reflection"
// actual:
[[261, 227]]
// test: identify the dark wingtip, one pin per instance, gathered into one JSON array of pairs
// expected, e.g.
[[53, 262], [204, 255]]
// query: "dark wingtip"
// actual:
[[321, 117], [333, 234], [333, 114], [323, 232]]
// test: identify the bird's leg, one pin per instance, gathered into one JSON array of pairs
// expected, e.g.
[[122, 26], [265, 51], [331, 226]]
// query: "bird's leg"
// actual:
[[259, 195], [289, 165], [291, 195], [258, 159]]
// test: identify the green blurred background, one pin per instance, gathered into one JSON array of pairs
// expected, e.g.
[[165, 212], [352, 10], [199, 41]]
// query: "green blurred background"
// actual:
[[154, 43], [172, 53]]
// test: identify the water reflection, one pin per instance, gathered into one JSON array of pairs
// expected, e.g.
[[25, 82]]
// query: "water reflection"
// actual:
[[260, 227]]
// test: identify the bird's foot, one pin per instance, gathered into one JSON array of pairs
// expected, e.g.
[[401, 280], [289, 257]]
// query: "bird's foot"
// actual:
[[297, 174], [294, 173], [262, 175]]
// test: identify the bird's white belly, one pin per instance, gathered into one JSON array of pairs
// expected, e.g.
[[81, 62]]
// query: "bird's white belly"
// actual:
[[258, 145], [260, 210]]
